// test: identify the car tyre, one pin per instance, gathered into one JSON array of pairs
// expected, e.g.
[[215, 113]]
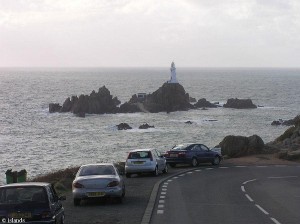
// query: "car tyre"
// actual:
[[128, 175], [194, 162], [155, 172], [166, 169], [172, 165], [216, 161], [77, 201]]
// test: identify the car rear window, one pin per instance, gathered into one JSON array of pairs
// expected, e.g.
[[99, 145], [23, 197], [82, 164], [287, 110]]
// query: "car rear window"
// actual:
[[96, 170], [24, 196], [139, 155], [180, 147]]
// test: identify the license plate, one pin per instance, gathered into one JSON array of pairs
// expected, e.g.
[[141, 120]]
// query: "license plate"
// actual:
[[138, 162], [19, 215], [96, 194], [173, 155]]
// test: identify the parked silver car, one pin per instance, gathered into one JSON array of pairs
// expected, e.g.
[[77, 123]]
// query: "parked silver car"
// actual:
[[145, 161], [97, 180]]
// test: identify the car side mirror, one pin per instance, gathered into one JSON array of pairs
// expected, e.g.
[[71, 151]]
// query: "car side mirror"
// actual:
[[62, 198]]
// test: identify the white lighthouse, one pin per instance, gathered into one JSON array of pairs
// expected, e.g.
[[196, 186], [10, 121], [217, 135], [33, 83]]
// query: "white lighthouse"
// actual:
[[173, 74]]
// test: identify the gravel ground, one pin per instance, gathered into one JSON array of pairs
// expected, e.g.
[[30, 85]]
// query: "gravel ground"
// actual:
[[131, 211]]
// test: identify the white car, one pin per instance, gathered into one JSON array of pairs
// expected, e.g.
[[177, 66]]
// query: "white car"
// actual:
[[97, 180], [145, 161]]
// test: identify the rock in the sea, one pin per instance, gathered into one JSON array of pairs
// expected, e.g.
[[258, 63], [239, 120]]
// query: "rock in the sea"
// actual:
[[123, 126], [193, 100], [239, 103], [237, 146], [204, 103], [168, 98], [54, 107], [145, 126], [129, 108], [188, 122]]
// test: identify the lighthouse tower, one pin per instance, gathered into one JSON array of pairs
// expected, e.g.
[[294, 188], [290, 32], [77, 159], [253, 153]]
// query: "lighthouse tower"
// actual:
[[173, 74]]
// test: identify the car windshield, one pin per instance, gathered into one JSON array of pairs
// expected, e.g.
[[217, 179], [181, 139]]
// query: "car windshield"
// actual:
[[24, 196], [97, 170], [139, 155], [180, 147]]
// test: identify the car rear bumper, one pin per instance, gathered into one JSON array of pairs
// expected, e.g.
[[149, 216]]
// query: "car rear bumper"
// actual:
[[139, 169], [83, 193], [178, 160]]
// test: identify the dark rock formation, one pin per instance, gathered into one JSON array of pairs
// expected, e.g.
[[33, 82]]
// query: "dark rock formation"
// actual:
[[123, 126], [129, 108], [145, 126], [240, 103], [54, 107], [237, 146], [193, 100], [188, 122], [204, 103], [95, 103], [170, 97]]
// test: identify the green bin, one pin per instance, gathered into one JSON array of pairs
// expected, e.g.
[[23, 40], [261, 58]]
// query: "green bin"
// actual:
[[11, 177], [22, 176]]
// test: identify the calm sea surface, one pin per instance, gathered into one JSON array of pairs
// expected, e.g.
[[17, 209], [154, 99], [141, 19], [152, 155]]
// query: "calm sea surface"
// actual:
[[33, 139]]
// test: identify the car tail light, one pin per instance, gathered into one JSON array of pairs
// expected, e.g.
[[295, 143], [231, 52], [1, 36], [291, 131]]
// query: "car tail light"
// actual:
[[181, 154], [77, 185], [113, 184], [46, 214]]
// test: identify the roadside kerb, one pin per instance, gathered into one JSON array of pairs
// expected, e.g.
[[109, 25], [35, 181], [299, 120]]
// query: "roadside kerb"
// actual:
[[148, 212]]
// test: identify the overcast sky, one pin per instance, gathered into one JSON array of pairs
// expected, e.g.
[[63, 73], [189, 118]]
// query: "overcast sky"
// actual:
[[108, 33]]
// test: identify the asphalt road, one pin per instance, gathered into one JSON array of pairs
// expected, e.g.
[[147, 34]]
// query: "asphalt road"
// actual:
[[231, 194]]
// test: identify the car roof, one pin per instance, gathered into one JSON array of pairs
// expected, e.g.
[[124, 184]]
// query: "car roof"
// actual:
[[139, 150], [26, 184]]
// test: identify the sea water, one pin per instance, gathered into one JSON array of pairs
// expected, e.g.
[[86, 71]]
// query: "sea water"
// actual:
[[33, 139]]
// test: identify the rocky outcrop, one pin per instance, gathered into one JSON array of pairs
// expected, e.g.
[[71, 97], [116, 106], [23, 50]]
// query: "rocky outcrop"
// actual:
[[188, 122], [294, 121], [123, 126], [54, 107], [239, 104], [145, 126], [204, 103], [237, 146], [96, 103], [129, 108], [168, 98], [193, 100]]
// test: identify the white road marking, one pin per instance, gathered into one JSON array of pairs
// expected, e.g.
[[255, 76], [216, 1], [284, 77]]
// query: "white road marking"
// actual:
[[243, 188], [280, 165], [209, 168], [165, 186], [169, 180], [175, 177], [160, 212], [161, 206], [164, 189], [249, 198], [260, 208], [198, 170], [181, 175], [166, 183], [162, 197], [275, 221], [223, 167], [163, 192], [283, 177], [240, 166], [246, 182], [161, 201], [261, 166], [189, 172]]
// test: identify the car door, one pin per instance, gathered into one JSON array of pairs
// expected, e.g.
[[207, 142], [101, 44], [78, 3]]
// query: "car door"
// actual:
[[207, 153], [198, 152], [55, 203]]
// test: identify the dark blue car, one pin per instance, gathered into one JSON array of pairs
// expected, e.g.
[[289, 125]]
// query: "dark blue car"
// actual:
[[30, 202], [193, 154]]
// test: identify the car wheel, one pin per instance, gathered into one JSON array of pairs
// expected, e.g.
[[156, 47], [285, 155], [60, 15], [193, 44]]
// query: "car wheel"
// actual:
[[155, 172], [216, 161], [128, 175], [194, 162], [77, 201], [166, 169], [172, 165]]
